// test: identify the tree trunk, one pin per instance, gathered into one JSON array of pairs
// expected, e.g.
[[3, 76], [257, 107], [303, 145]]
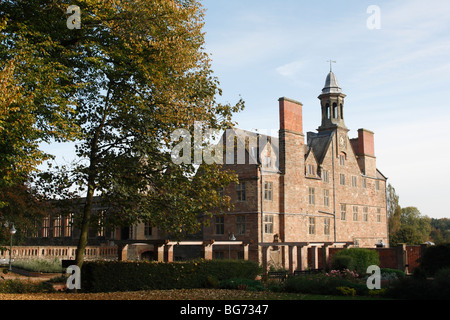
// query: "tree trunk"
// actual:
[[92, 175], [82, 242]]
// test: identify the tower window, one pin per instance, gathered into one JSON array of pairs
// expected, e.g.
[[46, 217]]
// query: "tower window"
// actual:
[[335, 111], [268, 191], [342, 111]]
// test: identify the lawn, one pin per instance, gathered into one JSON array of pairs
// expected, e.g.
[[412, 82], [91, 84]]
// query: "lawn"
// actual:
[[192, 294]]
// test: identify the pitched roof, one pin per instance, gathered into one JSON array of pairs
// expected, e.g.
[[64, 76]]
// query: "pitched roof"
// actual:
[[318, 144], [254, 139], [331, 84]]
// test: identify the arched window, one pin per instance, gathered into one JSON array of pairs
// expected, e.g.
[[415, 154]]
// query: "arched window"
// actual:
[[335, 111], [328, 110], [342, 111]]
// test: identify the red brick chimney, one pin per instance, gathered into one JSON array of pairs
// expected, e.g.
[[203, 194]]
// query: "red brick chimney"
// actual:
[[366, 143], [364, 148], [292, 158], [291, 118]]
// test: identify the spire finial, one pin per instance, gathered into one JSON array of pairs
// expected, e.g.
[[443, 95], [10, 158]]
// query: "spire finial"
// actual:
[[331, 67]]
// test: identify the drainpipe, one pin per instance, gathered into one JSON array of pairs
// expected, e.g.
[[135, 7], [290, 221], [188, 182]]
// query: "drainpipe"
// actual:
[[334, 183], [262, 202]]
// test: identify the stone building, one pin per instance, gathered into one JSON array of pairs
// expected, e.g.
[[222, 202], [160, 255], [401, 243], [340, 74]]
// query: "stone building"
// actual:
[[296, 194], [321, 190]]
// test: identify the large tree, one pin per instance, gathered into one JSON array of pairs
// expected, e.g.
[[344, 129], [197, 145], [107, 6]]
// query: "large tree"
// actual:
[[140, 73], [394, 211], [35, 98], [414, 227]]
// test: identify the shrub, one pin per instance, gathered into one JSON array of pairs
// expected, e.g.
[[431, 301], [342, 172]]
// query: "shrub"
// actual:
[[342, 262], [411, 288], [322, 284], [242, 284], [19, 286], [387, 272], [346, 274], [108, 276], [420, 288], [346, 291], [40, 265], [435, 258], [442, 283], [361, 258]]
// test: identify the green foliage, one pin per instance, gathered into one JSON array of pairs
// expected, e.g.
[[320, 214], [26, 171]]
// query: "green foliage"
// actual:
[[40, 265], [342, 262], [323, 284], [388, 274], [131, 76], [419, 287], [435, 258], [242, 284], [407, 234], [35, 94], [360, 260], [440, 232], [346, 291], [132, 276], [19, 286], [414, 228]]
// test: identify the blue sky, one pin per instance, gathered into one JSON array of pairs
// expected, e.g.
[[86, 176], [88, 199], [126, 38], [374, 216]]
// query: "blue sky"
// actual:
[[396, 78]]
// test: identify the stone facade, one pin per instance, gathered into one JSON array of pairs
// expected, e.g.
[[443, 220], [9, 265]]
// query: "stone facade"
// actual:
[[326, 189]]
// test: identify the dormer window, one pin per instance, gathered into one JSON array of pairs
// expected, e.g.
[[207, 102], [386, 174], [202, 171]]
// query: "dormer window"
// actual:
[[310, 170], [268, 162]]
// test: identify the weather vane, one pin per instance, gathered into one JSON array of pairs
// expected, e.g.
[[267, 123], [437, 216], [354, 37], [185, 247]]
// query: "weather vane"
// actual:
[[331, 67]]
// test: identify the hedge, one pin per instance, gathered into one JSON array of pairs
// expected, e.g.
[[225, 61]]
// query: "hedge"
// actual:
[[357, 259], [110, 276], [435, 258], [321, 284]]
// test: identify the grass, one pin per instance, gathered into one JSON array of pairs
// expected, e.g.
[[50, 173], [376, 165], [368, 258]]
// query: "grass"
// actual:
[[39, 265]]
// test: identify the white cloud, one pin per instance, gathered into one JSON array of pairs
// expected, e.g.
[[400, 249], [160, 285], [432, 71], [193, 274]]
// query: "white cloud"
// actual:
[[292, 68]]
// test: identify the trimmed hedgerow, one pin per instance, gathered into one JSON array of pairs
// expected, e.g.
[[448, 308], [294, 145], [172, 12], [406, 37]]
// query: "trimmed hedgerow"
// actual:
[[435, 258], [357, 259], [109, 276]]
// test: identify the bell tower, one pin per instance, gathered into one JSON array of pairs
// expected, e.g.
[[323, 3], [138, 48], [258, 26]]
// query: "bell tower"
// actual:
[[332, 103]]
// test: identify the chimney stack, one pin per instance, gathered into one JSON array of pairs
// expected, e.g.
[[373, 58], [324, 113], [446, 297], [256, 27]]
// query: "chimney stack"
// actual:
[[291, 118]]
